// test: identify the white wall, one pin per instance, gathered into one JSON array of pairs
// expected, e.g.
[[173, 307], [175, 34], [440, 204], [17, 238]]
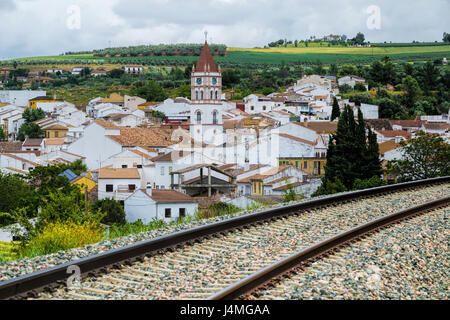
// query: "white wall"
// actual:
[[139, 206], [102, 194], [95, 146]]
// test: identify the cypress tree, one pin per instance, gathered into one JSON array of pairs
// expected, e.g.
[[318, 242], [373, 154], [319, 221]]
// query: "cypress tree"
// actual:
[[335, 113], [373, 163], [351, 154]]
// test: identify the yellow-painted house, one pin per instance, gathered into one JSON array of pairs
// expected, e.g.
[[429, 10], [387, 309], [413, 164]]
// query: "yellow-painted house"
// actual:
[[56, 131], [32, 103], [83, 183], [313, 166]]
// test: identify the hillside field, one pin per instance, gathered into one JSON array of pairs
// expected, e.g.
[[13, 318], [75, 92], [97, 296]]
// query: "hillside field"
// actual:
[[258, 56]]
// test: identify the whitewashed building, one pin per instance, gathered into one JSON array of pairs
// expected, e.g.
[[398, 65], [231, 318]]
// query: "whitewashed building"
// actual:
[[148, 205]]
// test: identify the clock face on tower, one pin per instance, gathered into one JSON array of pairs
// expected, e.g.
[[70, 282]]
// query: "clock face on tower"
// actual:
[[199, 80], [214, 81]]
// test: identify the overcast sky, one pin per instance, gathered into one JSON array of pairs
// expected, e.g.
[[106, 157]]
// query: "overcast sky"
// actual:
[[48, 27]]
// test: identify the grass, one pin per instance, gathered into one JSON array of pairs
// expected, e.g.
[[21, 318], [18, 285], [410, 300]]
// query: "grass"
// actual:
[[347, 50], [243, 56], [7, 252]]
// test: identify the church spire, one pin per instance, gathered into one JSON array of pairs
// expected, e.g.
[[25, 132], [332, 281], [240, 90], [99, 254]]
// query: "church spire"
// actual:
[[206, 59]]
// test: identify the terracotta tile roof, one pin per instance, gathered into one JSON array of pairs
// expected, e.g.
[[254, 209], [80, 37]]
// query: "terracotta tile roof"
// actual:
[[32, 142], [110, 173], [387, 146], [142, 154], [54, 141], [285, 187], [17, 170], [169, 196], [113, 98], [10, 146], [407, 123], [395, 133], [264, 175], [21, 159], [206, 60], [319, 126], [379, 124], [73, 154], [288, 136], [42, 98], [173, 155], [106, 124], [56, 127], [141, 137], [436, 126]]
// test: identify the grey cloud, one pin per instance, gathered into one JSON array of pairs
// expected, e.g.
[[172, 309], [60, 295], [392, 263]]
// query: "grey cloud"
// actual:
[[34, 30]]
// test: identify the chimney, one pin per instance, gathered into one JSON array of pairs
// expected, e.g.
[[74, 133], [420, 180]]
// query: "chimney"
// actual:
[[149, 189], [305, 121]]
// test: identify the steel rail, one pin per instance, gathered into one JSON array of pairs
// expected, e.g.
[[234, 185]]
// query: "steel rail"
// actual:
[[264, 276], [31, 284]]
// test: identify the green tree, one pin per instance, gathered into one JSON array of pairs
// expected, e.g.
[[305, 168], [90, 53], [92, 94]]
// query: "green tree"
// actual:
[[3, 135], [424, 157], [359, 87], [359, 39], [389, 109], [429, 76], [335, 111], [31, 115], [347, 69], [412, 90], [446, 37], [184, 91], [333, 69], [349, 151], [15, 193], [151, 91], [113, 210], [31, 130]]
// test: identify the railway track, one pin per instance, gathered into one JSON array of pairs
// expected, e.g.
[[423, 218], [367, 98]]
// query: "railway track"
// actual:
[[199, 262], [284, 275]]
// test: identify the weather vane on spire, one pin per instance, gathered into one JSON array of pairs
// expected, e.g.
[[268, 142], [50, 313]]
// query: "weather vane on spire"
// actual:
[[206, 35]]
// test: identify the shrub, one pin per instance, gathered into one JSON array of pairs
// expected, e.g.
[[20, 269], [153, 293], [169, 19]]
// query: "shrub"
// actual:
[[216, 210], [368, 183], [117, 231], [62, 236], [289, 195], [113, 210]]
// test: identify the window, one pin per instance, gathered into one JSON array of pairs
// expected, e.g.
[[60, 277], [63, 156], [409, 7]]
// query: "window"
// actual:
[[305, 165], [252, 108], [201, 95], [182, 213], [280, 163], [109, 188], [131, 187], [139, 166], [196, 95], [124, 166], [296, 164], [56, 134], [212, 94], [217, 95], [162, 171], [215, 117], [264, 108], [199, 116], [168, 213]]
